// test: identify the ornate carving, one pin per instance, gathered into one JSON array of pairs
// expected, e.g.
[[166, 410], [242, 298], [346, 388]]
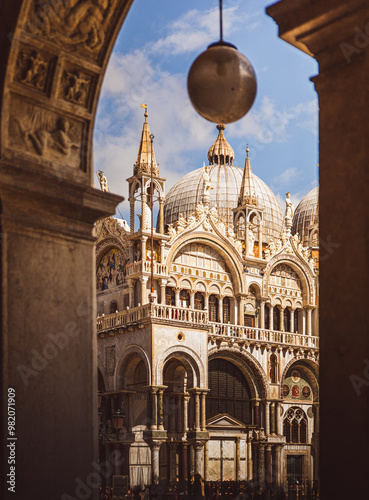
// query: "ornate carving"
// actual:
[[74, 22], [33, 69], [103, 181], [76, 87], [46, 134]]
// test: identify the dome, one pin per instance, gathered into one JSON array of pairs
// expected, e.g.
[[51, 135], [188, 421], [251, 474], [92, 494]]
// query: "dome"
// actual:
[[306, 214], [226, 183]]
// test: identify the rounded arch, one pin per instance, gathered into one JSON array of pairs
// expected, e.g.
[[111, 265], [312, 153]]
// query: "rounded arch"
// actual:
[[225, 250], [303, 271], [124, 364], [311, 370], [250, 367], [200, 286], [254, 288], [189, 358], [185, 283]]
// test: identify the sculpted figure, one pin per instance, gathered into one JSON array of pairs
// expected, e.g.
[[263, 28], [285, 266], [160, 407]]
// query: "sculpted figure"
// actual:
[[289, 206], [36, 70], [206, 178], [181, 224], [171, 231], [58, 138], [251, 241], [77, 90], [103, 181]]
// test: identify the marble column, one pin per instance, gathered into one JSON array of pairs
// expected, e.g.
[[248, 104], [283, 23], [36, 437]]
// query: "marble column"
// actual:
[[249, 458], [197, 411], [238, 459], [260, 241], [267, 418], [206, 301], [191, 460], [132, 216], [278, 464], [143, 248], [143, 280], [199, 446], [220, 311], [203, 411], [163, 284], [206, 461], [144, 217], [292, 321], [281, 319], [241, 312], [155, 449], [154, 408], [161, 409], [261, 463], [161, 216], [177, 296], [262, 314], [268, 464], [186, 400]]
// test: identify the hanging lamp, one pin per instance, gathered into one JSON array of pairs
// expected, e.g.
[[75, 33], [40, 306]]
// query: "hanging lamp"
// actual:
[[221, 82]]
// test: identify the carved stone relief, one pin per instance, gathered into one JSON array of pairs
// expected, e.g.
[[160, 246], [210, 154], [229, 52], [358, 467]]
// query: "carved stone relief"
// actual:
[[75, 87], [45, 134], [75, 23], [33, 69]]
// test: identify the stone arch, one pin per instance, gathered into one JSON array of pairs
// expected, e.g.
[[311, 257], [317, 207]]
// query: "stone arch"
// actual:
[[189, 358], [185, 283], [231, 258], [310, 368], [202, 286], [302, 270], [257, 288], [157, 185], [249, 366], [123, 363]]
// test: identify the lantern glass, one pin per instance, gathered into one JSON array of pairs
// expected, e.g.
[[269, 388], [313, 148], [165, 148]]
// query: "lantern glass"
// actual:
[[222, 83]]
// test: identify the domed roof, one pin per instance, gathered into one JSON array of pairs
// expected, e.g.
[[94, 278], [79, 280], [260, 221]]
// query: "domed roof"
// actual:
[[225, 181], [306, 214]]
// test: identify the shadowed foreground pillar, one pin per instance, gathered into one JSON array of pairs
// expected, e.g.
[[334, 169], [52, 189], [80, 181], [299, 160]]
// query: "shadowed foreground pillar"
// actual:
[[48, 330], [335, 32]]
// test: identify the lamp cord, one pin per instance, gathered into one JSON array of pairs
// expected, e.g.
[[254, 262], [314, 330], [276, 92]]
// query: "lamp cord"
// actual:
[[221, 19]]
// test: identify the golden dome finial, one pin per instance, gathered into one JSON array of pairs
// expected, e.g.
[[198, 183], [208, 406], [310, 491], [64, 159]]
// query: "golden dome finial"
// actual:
[[221, 152]]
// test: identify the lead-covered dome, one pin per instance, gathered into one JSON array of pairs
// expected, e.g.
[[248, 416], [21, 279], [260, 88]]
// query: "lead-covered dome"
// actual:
[[306, 214], [225, 181]]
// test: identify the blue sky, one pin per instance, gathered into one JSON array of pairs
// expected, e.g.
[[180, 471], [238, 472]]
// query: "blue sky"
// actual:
[[156, 47]]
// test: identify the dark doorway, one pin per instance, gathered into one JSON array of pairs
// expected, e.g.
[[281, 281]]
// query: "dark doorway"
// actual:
[[294, 471]]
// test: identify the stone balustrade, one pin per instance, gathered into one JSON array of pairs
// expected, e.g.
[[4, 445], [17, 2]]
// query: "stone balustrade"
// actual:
[[153, 311], [262, 335], [144, 266], [198, 317]]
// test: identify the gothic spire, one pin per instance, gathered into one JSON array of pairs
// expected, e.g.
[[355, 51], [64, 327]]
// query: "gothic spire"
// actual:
[[247, 194], [146, 154]]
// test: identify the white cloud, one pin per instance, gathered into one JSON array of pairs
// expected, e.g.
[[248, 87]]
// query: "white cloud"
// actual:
[[288, 176], [196, 29]]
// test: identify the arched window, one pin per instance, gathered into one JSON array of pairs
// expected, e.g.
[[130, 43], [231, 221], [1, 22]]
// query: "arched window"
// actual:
[[184, 298], [199, 301], [295, 426], [226, 310], [273, 369], [213, 308], [276, 318], [287, 320], [113, 307], [296, 320], [229, 391], [266, 317], [170, 296]]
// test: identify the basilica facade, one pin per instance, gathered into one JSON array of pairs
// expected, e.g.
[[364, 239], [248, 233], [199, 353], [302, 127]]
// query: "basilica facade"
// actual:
[[208, 342]]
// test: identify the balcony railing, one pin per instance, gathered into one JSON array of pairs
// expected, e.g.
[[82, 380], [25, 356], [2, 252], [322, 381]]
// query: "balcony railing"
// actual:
[[155, 311], [198, 317], [261, 335], [144, 266]]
